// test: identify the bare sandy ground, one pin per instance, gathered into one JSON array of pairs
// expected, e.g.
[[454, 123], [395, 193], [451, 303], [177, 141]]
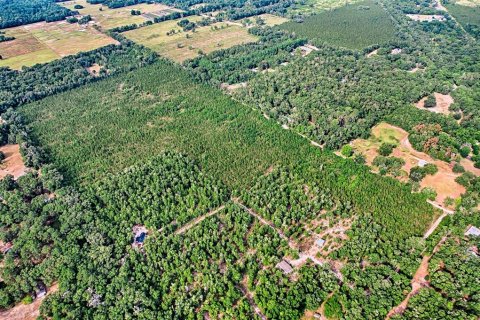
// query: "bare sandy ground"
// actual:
[[26, 311], [443, 103], [13, 163]]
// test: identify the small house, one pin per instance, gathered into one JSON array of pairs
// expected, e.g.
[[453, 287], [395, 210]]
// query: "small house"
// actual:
[[317, 315], [285, 267], [473, 231], [320, 243], [139, 235], [41, 291], [422, 163]]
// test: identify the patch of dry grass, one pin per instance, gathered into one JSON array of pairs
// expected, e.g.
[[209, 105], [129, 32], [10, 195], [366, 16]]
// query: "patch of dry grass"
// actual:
[[180, 47]]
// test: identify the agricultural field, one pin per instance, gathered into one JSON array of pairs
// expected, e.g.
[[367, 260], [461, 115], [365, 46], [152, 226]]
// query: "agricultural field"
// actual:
[[43, 42], [181, 45], [112, 18], [353, 26]]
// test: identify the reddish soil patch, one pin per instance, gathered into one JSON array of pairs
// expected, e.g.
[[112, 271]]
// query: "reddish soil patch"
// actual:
[[443, 103], [468, 165], [443, 182], [22, 44], [13, 163], [94, 70], [26, 311]]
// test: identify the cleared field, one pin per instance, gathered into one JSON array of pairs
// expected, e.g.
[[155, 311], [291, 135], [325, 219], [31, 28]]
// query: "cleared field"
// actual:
[[43, 42], [352, 26], [112, 18], [179, 48], [443, 182], [270, 19], [317, 6]]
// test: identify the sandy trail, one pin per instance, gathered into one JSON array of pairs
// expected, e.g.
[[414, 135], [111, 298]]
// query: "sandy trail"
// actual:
[[197, 220], [418, 282]]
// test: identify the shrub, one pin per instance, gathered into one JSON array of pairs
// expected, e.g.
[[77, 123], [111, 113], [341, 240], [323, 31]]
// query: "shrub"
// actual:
[[27, 300], [78, 6], [347, 150], [2, 156], [465, 151], [430, 102], [386, 149], [458, 168]]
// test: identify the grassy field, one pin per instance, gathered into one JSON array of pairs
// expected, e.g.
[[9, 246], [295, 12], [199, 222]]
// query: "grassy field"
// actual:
[[317, 6], [112, 18], [353, 26], [104, 127], [44, 42], [179, 48], [270, 19]]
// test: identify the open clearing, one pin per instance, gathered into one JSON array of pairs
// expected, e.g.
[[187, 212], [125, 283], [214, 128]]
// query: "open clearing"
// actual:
[[443, 103], [270, 19], [26, 311], [13, 163], [443, 182], [315, 6], [112, 18], [353, 26], [179, 48], [43, 42], [426, 17]]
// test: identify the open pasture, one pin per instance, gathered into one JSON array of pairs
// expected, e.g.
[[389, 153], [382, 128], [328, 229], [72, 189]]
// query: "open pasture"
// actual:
[[111, 18], [43, 42], [353, 26], [180, 47]]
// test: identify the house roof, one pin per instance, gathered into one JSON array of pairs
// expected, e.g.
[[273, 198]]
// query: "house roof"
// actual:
[[472, 231], [285, 266], [320, 242]]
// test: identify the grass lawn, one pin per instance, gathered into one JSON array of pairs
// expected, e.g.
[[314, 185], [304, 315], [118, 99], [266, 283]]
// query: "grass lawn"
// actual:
[[352, 26], [179, 48]]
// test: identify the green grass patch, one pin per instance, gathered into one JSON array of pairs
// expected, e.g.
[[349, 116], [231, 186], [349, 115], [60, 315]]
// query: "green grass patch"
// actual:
[[352, 26]]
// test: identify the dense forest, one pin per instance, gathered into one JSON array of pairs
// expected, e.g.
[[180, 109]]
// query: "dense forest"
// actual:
[[152, 194], [20, 12]]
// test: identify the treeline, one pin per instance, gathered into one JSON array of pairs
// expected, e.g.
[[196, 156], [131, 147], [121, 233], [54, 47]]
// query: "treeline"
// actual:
[[20, 12], [39, 81], [239, 62]]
